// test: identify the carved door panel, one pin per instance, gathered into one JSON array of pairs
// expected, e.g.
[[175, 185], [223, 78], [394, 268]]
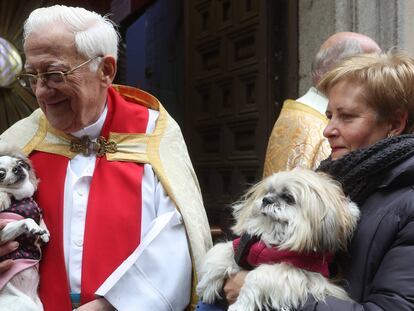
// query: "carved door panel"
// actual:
[[234, 63]]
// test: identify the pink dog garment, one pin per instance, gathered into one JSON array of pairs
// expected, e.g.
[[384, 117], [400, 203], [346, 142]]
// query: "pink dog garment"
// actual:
[[28, 254]]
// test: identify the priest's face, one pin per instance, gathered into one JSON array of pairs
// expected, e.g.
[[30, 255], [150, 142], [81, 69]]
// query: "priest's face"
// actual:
[[70, 101]]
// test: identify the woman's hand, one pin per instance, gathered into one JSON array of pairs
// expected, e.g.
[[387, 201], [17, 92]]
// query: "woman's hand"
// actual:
[[233, 285], [6, 248], [100, 304]]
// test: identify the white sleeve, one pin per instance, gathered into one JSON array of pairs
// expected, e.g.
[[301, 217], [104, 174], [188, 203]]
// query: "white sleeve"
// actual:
[[157, 276]]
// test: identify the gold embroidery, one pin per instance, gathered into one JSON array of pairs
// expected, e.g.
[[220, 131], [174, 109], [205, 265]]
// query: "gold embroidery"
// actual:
[[81, 146], [296, 139]]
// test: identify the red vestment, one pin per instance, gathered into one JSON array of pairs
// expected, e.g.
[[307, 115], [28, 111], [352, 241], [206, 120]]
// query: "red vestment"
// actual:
[[115, 189]]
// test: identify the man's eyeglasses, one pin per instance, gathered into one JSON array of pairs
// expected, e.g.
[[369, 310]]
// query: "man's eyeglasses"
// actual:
[[50, 78]]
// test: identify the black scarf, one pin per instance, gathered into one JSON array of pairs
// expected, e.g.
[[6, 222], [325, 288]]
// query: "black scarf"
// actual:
[[361, 171]]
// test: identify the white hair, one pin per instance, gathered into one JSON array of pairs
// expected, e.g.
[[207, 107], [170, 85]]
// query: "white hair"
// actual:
[[94, 34], [327, 58]]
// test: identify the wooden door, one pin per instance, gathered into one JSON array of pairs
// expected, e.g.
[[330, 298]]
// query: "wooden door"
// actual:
[[237, 64]]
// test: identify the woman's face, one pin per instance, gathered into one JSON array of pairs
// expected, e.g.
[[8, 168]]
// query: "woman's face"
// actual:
[[353, 124]]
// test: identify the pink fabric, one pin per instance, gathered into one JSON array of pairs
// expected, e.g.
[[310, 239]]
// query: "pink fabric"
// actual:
[[9, 217], [19, 264]]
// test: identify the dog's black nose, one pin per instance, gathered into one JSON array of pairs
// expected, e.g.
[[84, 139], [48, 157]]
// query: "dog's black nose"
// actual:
[[17, 170], [266, 201]]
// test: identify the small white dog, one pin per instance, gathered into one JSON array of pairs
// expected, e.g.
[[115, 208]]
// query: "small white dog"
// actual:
[[290, 224], [18, 286]]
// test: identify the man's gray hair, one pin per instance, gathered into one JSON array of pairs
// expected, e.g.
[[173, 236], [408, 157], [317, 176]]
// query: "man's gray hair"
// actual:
[[327, 58]]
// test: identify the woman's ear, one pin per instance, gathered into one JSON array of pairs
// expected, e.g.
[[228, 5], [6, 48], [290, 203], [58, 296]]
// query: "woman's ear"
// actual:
[[398, 122], [107, 69]]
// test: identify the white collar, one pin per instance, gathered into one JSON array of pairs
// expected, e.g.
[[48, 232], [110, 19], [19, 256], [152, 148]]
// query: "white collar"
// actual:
[[314, 99], [93, 130]]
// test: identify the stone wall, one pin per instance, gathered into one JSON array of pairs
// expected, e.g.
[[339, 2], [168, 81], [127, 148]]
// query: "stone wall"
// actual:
[[389, 22]]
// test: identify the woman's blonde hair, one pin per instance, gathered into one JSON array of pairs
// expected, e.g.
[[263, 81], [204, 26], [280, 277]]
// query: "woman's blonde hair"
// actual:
[[387, 80]]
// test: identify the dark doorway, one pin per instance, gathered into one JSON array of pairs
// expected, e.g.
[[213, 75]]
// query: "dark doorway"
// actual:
[[241, 62], [155, 54]]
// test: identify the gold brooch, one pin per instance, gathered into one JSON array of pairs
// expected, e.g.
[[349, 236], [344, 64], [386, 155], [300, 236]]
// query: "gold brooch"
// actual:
[[101, 146], [86, 146]]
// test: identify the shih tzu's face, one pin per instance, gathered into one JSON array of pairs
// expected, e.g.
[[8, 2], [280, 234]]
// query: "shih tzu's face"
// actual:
[[299, 210], [16, 175]]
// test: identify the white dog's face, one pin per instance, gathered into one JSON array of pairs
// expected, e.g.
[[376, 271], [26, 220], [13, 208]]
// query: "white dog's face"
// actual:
[[16, 176], [298, 210]]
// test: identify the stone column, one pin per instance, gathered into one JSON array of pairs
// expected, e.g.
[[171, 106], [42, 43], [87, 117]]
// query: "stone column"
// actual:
[[408, 24]]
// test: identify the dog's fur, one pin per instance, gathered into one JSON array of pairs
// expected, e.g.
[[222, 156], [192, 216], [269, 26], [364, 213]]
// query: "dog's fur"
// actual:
[[300, 211], [18, 180]]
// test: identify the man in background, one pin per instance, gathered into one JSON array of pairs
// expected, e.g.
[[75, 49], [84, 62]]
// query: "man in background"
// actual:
[[296, 138]]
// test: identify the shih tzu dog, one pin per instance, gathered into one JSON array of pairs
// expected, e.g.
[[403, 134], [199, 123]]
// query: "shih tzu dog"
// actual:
[[290, 225], [18, 285]]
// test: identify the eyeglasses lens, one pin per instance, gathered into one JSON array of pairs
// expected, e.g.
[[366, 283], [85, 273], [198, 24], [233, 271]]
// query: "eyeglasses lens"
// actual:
[[29, 81], [51, 79]]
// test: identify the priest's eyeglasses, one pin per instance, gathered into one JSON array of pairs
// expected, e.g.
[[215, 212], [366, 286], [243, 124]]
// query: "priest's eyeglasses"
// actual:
[[49, 78]]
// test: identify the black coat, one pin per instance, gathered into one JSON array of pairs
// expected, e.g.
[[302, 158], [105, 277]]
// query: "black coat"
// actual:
[[379, 272]]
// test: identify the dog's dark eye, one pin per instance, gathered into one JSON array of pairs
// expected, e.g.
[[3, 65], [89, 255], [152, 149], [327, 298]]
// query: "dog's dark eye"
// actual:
[[2, 174], [23, 164], [288, 198], [266, 201]]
